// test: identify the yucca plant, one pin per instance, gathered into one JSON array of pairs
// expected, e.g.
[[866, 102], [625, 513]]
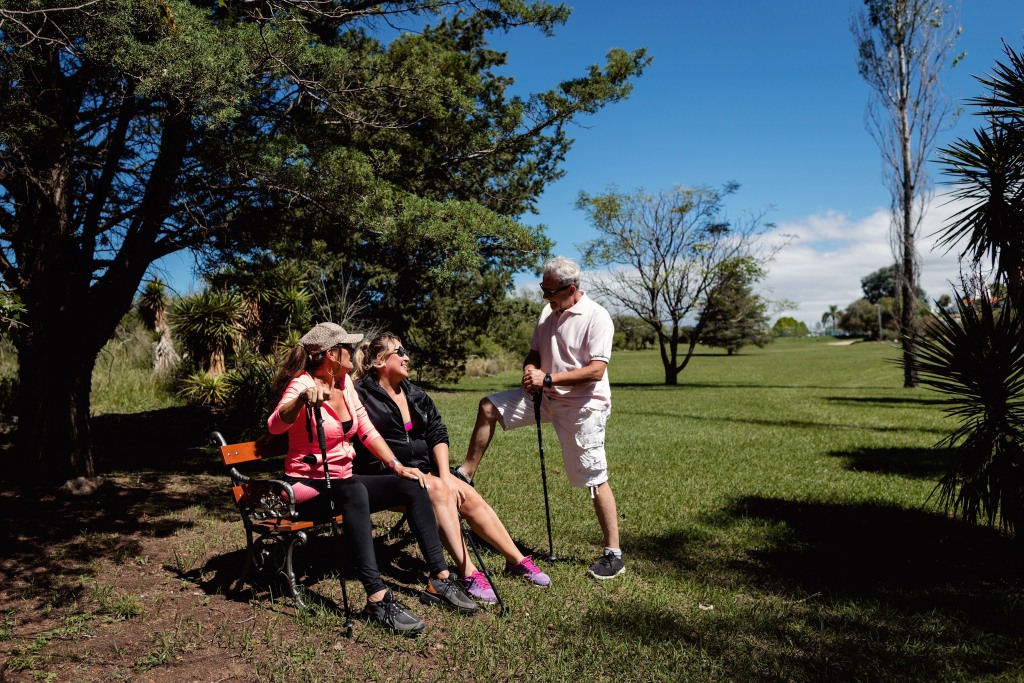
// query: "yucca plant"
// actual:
[[987, 174], [207, 325], [249, 384], [290, 305], [975, 357], [202, 388], [153, 304]]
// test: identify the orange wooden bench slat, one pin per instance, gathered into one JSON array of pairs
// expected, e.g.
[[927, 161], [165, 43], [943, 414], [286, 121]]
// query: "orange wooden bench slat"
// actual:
[[288, 525], [235, 453]]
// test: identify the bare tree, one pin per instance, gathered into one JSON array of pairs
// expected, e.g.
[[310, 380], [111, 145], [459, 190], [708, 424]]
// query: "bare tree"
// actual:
[[339, 300], [671, 252], [903, 47]]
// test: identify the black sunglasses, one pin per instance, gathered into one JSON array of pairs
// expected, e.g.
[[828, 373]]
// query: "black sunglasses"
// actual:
[[401, 352], [552, 292]]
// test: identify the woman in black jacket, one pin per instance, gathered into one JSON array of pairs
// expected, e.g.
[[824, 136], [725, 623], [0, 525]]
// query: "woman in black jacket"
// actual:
[[411, 425]]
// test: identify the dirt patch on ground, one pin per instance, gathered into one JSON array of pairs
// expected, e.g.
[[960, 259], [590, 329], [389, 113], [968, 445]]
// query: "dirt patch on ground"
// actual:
[[138, 582]]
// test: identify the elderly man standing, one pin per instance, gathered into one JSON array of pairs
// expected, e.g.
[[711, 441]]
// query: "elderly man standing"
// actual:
[[568, 361]]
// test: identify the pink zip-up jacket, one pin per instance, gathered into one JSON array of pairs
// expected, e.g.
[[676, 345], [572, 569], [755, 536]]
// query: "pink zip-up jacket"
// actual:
[[340, 451]]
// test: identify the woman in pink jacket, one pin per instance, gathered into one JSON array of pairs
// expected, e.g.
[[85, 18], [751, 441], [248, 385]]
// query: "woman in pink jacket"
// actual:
[[314, 377]]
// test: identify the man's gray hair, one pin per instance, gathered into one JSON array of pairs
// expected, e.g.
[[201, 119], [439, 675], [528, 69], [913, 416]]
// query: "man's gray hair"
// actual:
[[563, 270]]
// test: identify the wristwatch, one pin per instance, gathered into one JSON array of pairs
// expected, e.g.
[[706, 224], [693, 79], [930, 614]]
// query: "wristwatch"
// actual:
[[547, 381]]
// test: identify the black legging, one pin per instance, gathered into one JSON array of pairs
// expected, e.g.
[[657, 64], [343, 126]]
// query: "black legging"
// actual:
[[358, 496]]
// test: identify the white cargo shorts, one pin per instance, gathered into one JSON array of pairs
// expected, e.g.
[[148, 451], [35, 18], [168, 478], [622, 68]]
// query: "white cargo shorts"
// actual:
[[580, 432]]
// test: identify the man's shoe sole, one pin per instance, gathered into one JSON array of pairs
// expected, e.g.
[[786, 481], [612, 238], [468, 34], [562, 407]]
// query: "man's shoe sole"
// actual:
[[528, 580], [605, 578]]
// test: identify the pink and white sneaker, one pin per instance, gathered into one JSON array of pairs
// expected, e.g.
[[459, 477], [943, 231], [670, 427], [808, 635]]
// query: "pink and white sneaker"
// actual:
[[479, 587], [528, 570]]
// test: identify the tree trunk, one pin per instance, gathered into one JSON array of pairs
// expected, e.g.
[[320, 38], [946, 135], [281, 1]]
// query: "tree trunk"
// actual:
[[63, 333], [908, 272], [54, 441], [668, 359], [908, 323], [671, 376]]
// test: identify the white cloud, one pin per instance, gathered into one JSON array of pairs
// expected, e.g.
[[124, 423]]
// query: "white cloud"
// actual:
[[830, 253]]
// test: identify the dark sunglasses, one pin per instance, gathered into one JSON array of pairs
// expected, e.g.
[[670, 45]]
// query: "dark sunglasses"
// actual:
[[552, 292], [351, 348], [401, 352]]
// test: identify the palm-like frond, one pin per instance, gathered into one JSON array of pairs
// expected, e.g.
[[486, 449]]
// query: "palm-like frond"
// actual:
[[1005, 89], [207, 324], [153, 305], [201, 388], [976, 358], [989, 173], [988, 176]]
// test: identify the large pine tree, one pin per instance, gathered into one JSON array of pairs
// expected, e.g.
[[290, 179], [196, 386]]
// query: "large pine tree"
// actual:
[[134, 130]]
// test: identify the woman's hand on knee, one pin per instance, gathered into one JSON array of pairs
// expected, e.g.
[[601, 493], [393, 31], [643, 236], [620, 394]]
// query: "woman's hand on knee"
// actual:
[[469, 497], [412, 474], [455, 486]]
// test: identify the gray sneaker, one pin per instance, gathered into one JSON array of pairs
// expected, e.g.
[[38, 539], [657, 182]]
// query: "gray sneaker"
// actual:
[[393, 615], [448, 593], [607, 567]]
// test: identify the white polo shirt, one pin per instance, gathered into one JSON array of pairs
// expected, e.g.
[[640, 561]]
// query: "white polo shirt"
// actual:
[[569, 341]]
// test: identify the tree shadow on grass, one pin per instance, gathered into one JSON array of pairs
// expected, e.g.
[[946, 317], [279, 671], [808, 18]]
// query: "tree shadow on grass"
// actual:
[[871, 550], [152, 474], [913, 463], [919, 581], [47, 536], [318, 565], [781, 421], [853, 592], [888, 400], [744, 386], [167, 440]]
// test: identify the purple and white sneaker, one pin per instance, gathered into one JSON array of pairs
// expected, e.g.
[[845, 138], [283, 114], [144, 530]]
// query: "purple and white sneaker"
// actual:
[[479, 587], [528, 570]]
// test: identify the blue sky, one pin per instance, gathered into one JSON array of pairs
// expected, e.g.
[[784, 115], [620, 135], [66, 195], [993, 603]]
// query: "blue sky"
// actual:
[[766, 94]]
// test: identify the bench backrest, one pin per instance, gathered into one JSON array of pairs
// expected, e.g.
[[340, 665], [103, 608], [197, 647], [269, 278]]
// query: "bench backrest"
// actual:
[[266, 446]]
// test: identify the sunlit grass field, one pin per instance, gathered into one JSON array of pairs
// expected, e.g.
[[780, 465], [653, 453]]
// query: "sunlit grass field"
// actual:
[[800, 420], [776, 522]]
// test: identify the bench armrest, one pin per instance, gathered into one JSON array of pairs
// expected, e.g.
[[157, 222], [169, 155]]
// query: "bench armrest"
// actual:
[[264, 499]]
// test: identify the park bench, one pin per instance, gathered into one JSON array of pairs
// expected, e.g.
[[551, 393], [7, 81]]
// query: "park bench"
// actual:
[[273, 529]]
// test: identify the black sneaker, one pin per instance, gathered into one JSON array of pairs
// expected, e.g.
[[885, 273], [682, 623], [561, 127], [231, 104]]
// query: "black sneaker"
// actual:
[[607, 567], [393, 615], [459, 474], [448, 593]]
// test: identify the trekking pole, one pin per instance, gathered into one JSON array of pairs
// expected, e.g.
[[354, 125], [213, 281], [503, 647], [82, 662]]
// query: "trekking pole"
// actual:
[[483, 567], [543, 472], [334, 518]]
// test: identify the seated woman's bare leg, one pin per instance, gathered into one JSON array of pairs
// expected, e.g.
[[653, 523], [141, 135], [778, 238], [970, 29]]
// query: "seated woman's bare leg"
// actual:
[[449, 529], [485, 522]]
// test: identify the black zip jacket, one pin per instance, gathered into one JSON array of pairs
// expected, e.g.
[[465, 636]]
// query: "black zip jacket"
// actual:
[[414, 448]]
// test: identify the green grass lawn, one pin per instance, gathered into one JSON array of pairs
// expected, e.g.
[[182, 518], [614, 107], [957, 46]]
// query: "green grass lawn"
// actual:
[[775, 518], [775, 522]]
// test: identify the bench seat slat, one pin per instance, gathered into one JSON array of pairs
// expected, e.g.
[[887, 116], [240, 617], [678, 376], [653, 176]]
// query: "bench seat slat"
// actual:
[[285, 526]]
